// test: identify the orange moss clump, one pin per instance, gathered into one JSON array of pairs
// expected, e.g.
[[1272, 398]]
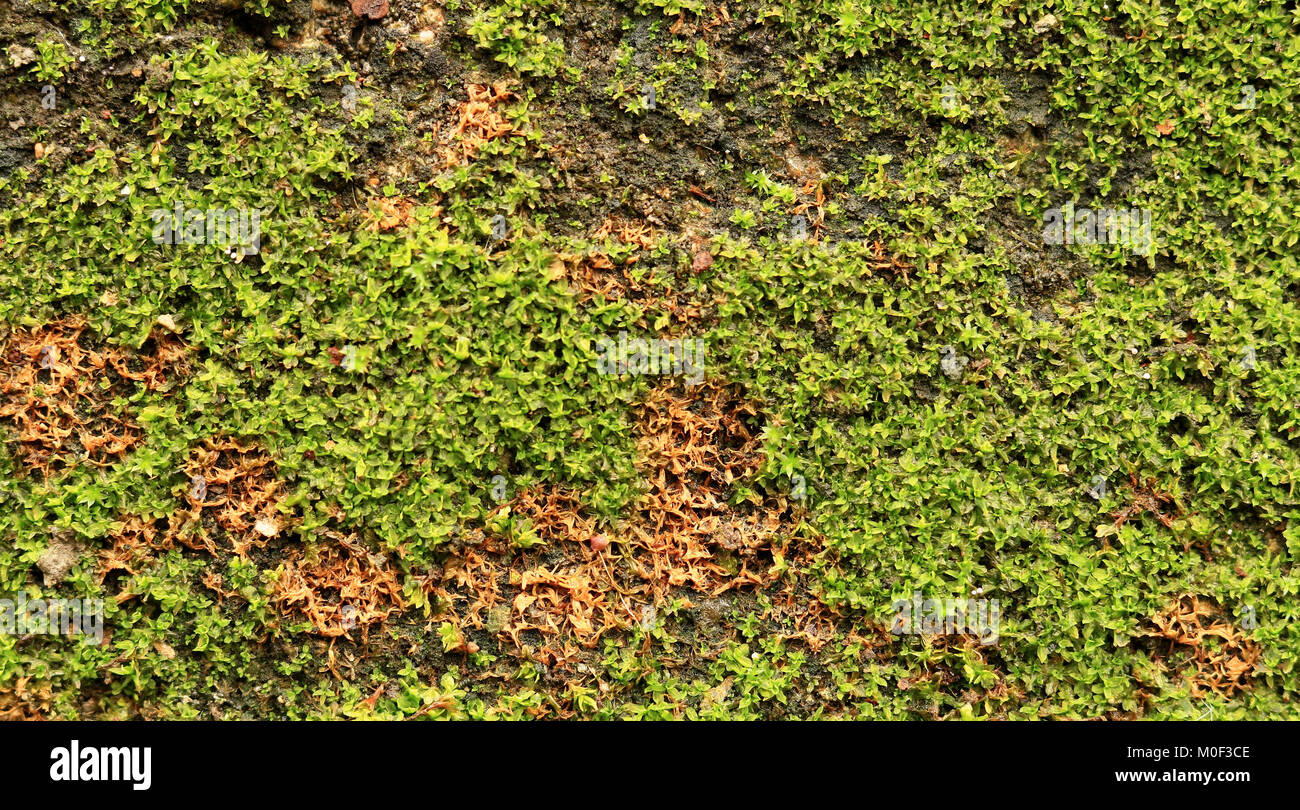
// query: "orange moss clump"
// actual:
[[1225, 658], [393, 213], [1147, 498], [232, 487], [58, 392], [337, 586], [132, 546], [639, 234], [477, 123], [566, 595], [595, 275], [684, 535], [694, 447], [23, 702]]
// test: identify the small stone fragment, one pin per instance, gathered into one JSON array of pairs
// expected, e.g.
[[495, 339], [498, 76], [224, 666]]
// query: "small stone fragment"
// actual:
[[20, 55], [372, 9], [1097, 487], [648, 617], [58, 560], [950, 364]]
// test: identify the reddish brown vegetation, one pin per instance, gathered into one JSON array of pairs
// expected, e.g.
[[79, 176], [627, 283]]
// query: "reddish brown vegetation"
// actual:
[[1224, 657], [58, 393], [233, 488], [337, 586], [684, 540], [477, 123]]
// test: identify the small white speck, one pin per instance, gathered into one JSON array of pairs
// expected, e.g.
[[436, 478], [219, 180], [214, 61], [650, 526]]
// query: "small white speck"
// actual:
[[1146, 376], [126, 190]]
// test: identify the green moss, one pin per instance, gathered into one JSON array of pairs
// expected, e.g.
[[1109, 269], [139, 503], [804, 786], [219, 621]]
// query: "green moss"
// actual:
[[951, 409]]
